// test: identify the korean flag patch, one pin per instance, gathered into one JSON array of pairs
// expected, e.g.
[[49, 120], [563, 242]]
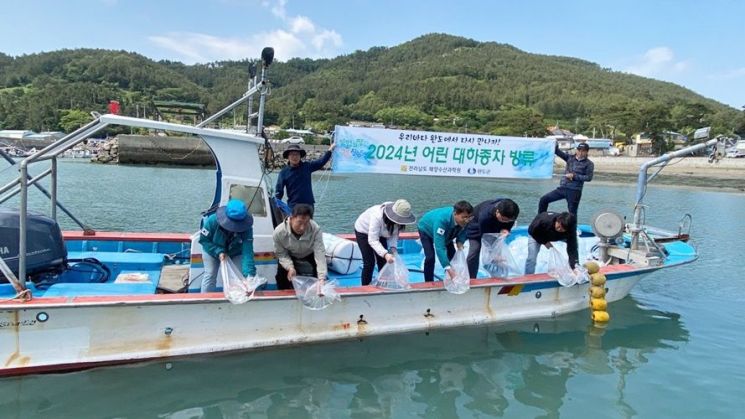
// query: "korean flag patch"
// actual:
[[205, 232], [441, 231]]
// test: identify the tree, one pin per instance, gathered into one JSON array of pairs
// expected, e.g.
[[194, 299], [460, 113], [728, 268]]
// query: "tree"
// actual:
[[73, 119]]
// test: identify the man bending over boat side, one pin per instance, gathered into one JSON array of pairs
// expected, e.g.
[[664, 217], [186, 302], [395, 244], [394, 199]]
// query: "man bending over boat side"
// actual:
[[377, 231], [298, 245], [547, 227], [227, 233], [437, 230], [492, 216], [296, 176]]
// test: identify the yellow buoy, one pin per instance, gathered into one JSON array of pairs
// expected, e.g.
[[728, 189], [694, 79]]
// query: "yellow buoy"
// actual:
[[600, 316], [598, 304], [597, 279], [597, 292], [592, 267]]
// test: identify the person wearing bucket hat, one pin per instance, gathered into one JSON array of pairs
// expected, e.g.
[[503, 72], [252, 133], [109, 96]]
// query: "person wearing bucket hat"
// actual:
[[579, 169], [492, 216], [377, 231], [228, 233], [295, 177]]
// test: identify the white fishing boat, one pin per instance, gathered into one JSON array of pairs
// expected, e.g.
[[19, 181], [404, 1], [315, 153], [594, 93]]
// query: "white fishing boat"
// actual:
[[79, 299]]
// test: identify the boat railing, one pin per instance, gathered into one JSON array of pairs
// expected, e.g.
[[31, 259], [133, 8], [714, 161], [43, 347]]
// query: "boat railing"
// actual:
[[24, 180], [637, 227]]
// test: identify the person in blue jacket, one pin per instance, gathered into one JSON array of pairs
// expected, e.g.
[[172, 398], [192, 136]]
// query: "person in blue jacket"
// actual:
[[579, 169], [295, 177], [492, 216], [437, 230], [227, 233]]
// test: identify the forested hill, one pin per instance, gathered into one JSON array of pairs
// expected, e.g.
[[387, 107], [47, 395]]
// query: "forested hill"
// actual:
[[436, 81]]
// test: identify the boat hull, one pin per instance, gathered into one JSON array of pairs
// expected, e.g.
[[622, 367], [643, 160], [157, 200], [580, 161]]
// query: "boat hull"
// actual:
[[123, 329]]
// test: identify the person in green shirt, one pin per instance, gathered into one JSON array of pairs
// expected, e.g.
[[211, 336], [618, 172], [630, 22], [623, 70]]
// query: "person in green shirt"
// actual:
[[437, 230], [227, 233]]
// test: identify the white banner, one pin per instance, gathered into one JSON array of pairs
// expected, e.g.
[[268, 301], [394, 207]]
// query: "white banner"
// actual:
[[377, 150]]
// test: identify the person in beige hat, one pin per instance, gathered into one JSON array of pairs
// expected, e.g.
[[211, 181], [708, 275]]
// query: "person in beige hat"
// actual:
[[377, 231]]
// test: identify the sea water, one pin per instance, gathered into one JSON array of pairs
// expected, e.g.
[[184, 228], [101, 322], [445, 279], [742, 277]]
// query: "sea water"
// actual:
[[673, 348]]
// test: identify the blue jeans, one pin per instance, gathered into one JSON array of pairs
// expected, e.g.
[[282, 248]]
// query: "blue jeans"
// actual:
[[533, 248], [211, 265]]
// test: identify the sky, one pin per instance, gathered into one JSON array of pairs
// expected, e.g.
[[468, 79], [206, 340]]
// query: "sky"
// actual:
[[697, 44]]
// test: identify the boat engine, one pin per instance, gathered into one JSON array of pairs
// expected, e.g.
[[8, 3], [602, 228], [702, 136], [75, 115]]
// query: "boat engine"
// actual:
[[45, 249]]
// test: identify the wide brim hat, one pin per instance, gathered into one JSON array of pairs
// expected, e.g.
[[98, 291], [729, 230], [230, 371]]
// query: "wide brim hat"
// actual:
[[399, 212], [293, 147], [234, 217]]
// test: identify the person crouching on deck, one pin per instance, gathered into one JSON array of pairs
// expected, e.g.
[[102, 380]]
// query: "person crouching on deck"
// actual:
[[547, 227], [298, 245], [377, 232], [437, 230], [227, 233], [295, 177]]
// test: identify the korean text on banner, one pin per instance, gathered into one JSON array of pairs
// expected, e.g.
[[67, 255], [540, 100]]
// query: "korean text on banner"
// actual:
[[376, 150]]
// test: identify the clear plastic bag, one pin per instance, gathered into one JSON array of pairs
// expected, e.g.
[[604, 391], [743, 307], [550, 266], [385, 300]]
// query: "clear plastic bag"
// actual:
[[314, 293], [496, 257], [393, 276], [235, 287], [461, 283], [581, 275], [558, 268]]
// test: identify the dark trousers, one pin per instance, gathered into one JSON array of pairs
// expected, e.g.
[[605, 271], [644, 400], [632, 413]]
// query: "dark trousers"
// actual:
[[369, 257], [428, 245], [285, 284], [474, 253], [572, 197]]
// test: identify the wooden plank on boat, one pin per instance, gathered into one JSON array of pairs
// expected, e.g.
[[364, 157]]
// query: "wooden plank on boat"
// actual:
[[173, 278]]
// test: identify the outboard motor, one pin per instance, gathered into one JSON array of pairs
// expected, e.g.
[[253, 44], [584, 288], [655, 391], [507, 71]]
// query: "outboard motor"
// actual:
[[45, 249]]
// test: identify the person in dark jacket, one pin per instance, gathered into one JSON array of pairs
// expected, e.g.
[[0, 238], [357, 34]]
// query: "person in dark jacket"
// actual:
[[228, 233], [295, 177], [548, 227], [579, 169], [492, 216]]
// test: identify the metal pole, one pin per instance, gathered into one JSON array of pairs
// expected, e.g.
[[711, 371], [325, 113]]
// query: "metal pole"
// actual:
[[54, 189], [42, 189], [22, 224], [262, 98]]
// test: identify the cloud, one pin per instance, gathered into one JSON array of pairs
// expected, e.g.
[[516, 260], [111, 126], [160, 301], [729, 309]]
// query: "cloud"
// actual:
[[656, 62], [298, 37], [729, 74]]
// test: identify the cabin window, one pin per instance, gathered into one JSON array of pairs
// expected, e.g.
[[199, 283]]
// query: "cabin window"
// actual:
[[252, 196]]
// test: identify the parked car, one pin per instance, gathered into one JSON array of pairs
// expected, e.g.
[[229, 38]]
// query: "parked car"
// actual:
[[293, 140]]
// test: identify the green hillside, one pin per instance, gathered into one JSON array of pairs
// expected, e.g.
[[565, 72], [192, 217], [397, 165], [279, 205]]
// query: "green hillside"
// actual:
[[436, 82]]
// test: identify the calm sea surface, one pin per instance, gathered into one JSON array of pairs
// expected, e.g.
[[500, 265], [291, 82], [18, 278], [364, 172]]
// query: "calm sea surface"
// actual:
[[673, 348]]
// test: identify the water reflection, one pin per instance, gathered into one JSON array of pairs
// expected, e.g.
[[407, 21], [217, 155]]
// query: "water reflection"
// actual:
[[520, 369]]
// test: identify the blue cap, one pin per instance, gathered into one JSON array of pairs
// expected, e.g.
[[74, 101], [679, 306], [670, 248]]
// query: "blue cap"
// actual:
[[234, 216]]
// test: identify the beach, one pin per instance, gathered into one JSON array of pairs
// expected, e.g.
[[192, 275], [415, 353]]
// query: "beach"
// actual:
[[727, 173]]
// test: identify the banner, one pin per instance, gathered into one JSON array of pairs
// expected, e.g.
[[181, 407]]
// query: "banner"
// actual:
[[377, 150]]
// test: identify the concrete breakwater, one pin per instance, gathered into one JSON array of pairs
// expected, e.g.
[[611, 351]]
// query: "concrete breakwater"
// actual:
[[182, 151]]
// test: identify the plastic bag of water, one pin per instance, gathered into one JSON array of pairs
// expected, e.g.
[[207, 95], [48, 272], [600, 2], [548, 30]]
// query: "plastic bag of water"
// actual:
[[496, 257], [558, 268], [393, 276], [461, 282], [314, 293]]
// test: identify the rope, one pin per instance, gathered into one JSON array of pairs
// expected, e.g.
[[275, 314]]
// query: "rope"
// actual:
[[24, 296]]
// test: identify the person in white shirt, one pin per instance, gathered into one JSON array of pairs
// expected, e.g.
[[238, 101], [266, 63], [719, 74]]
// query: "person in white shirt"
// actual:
[[377, 232]]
